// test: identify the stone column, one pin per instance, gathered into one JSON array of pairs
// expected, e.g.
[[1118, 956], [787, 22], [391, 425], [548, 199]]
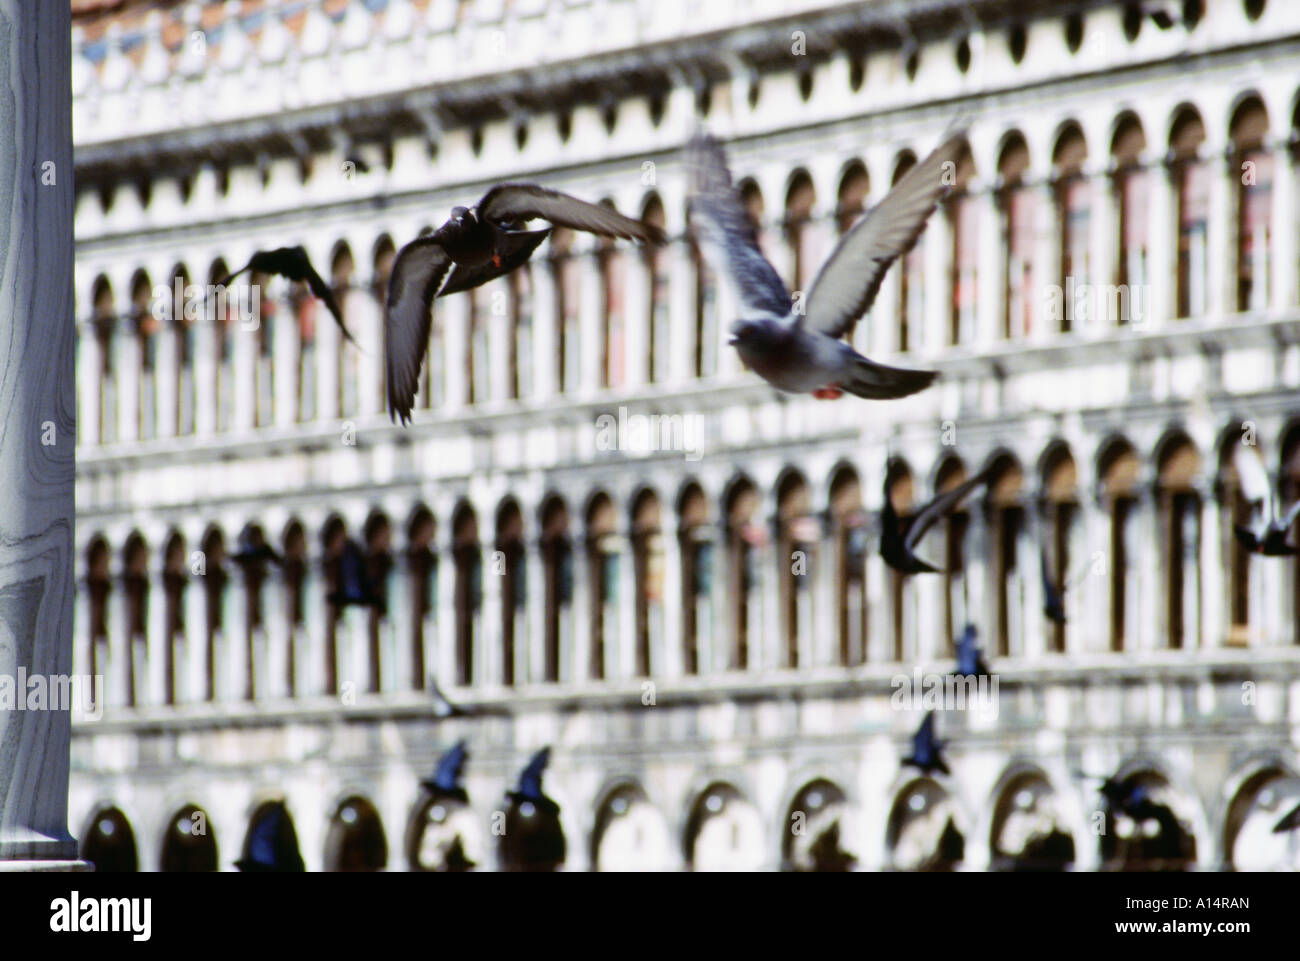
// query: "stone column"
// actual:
[[38, 439]]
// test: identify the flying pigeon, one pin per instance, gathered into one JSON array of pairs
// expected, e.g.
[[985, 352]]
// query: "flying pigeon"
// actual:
[[1289, 822], [897, 543], [483, 242], [798, 347], [443, 708], [970, 660], [272, 844], [445, 782], [1053, 602], [1267, 533], [292, 264], [529, 789], [927, 749], [354, 588]]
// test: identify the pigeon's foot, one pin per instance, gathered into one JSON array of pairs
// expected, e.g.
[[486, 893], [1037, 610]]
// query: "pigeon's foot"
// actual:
[[832, 392]]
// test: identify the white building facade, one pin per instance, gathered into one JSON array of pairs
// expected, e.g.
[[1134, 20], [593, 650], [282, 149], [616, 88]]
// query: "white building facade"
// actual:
[[599, 532]]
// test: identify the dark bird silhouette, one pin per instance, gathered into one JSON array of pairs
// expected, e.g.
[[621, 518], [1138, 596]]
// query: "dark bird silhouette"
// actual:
[[272, 844], [456, 859], [292, 263], [1053, 601], [1267, 533], [927, 749], [799, 347], [483, 243], [529, 789], [353, 587], [970, 659], [445, 782], [827, 854], [1289, 822], [252, 548], [443, 708], [897, 543]]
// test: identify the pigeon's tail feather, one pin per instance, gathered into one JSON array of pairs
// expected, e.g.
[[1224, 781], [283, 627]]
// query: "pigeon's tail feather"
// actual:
[[879, 382]]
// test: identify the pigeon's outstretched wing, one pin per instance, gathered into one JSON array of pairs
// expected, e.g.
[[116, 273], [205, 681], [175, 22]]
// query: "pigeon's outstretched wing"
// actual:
[[294, 264], [849, 280], [520, 203], [417, 272], [726, 235], [530, 778], [322, 290], [929, 514]]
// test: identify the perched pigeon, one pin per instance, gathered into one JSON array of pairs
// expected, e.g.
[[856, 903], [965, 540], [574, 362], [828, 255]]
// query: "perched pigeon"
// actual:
[[1053, 602], [799, 347], [445, 782], [292, 263], [1267, 534], [970, 660], [529, 789], [354, 588], [483, 242], [927, 749], [1289, 822], [443, 708], [272, 844], [897, 543]]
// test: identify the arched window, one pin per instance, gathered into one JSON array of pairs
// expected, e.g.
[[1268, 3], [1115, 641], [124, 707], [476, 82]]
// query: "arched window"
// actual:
[[533, 839], [444, 835], [655, 261], [557, 557], [706, 311], [567, 278], [746, 537], [1151, 835], [468, 558], [1178, 503], [295, 581], [222, 310], [334, 539], [1118, 469], [613, 273], [922, 833], [378, 535], [135, 590], [911, 286], [514, 584], [342, 282], [724, 832], [800, 231], [951, 473], [1191, 180], [1253, 166], [962, 209], [1131, 186], [263, 368], [271, 833], [175, 579], [603, 577], [695, 540], [1029, 830], [252, 562], [215, 579], [422, 572], [855, 185], [355, 840], [1005, 518], [849, 536], [478, 343], [899, 490], [1234, 510], [1060, 506], [800, 532], [648, 561], [182, 319], [519, 342], [108, 842], [814, 830], [1016, 204], [1073, 195], [630, 834], [104, 321], [99, 584], [188, 842], [145, 325], [1249, 841]]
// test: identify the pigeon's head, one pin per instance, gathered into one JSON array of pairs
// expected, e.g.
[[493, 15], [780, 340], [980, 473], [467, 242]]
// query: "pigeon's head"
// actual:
[[754, 335], [458, 224]]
